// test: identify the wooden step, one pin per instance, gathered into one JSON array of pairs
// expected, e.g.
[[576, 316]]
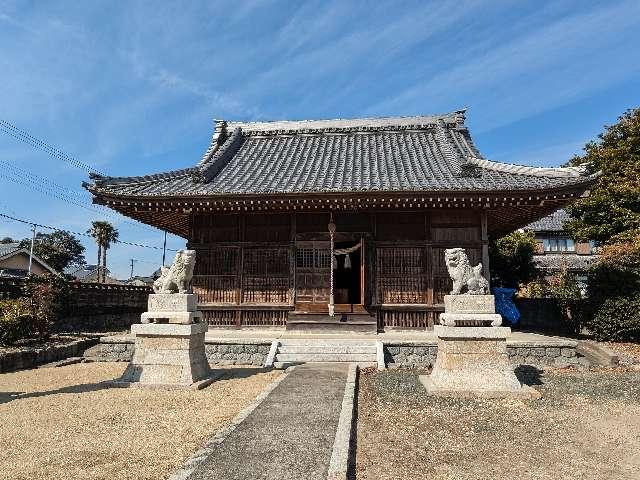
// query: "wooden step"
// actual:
[[338, 323]]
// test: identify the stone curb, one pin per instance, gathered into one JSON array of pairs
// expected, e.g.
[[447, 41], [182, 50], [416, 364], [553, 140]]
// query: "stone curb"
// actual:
[[597, 354], [201, 455], [32, 358], [339, 464]]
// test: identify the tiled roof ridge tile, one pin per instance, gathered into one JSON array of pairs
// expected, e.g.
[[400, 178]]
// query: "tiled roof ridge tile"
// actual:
[[100, 181], [346, 125], [553, 172], [209, 168]]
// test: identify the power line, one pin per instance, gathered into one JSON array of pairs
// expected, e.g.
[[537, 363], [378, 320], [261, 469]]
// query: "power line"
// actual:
[[79, 233], [45, 186], [25, 137]]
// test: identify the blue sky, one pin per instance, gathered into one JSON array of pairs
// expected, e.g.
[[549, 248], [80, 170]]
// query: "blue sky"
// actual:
[[132, 87]]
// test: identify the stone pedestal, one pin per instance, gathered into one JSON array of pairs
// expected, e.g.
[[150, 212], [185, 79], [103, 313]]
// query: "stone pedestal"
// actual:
[[470, 310], [172, 308], [473, 361], [169, 345], [168, 356], [472, 358]]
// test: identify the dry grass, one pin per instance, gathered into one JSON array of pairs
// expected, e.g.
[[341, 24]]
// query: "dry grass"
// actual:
[[63, 423], [586, 426]]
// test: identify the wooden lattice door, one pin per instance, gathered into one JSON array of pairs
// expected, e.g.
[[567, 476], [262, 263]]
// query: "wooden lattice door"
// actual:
[[313, 270]]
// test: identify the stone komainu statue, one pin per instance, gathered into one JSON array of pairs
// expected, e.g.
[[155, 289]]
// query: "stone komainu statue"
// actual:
[[465, 276], [177, 278]]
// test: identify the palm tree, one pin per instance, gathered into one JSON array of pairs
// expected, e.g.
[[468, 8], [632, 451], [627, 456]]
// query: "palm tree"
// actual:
[[104, 234]]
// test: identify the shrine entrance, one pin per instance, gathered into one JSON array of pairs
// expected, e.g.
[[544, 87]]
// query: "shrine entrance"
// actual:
[[313, 276]]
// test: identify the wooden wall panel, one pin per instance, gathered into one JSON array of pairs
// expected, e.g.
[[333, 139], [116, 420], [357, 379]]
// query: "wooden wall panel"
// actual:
[[455, 234], [313, 270], [265, 275], [216, 275], [404, 319], [211, 228], [400, 226], [312, 222], [267, 228], [401, 275]]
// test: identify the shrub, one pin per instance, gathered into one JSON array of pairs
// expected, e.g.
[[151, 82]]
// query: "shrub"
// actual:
[[49, 297], [538, 288], [16, 321], [565, 290], [511, 259], [616, 319], [614, 292]]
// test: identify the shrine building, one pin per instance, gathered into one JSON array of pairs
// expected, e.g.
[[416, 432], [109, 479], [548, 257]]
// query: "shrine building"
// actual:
[[286, 216]]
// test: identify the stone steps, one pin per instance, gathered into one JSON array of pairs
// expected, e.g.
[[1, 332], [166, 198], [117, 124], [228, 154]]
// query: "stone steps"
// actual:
[[327, 349], [325, 357], [324, 351]]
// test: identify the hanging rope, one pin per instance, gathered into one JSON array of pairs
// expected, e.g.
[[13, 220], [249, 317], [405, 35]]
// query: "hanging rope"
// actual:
[[344, 251]]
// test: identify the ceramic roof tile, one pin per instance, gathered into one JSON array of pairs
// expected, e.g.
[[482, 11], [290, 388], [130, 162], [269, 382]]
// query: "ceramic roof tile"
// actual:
[[550, 223], [408, 154]]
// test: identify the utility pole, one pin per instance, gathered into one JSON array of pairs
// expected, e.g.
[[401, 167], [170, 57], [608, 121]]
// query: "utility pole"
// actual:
[[164, 247], [133, 260], [33, 241]]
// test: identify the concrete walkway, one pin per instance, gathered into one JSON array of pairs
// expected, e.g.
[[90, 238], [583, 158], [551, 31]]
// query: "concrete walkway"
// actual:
[[290, 435]]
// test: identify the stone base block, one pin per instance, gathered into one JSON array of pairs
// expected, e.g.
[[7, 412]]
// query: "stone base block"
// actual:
[[172, 302], [168, 355], [473, 361], [470, 319], [469, 304], [184, 318]]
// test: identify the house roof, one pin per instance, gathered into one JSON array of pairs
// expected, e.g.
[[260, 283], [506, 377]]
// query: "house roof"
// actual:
[[555, 262], [8, 250], [397, 154], [83, 271], [551, 223]]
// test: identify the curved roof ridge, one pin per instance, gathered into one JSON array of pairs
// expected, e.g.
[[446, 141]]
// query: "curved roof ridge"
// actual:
[[103, 180], [552, 172], [216, 161], [365, 123]]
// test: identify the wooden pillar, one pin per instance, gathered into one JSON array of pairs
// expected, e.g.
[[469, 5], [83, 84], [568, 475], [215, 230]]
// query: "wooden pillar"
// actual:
[[485, 246]]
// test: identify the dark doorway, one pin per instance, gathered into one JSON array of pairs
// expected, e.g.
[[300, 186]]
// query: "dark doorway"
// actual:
[[347, 276]]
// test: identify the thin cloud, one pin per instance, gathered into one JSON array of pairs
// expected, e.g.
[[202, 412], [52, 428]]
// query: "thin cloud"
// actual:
[[534, 60]]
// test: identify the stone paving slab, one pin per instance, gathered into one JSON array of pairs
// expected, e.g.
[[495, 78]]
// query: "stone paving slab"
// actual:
[[290, 435]]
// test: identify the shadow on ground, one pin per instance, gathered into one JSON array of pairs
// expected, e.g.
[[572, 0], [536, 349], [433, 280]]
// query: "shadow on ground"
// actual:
[[6, 397], [239, 372], [529, 375]]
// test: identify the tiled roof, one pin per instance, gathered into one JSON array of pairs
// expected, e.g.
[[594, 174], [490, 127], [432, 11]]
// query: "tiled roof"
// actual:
[[401, 154], [554, 262], [84, 271], [550, 223], [7, 248]]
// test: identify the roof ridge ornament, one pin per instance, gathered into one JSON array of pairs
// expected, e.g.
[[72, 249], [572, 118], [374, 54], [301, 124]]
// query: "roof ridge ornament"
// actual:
[[211, 166], [469, 170]]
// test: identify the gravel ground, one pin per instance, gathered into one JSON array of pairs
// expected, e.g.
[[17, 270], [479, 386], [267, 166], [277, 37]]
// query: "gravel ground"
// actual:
[[586, 426], [64, 423]]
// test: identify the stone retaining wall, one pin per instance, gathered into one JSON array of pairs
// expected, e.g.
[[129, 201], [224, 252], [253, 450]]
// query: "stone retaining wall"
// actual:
[[30, 358], [560, 353], [119, 348]]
